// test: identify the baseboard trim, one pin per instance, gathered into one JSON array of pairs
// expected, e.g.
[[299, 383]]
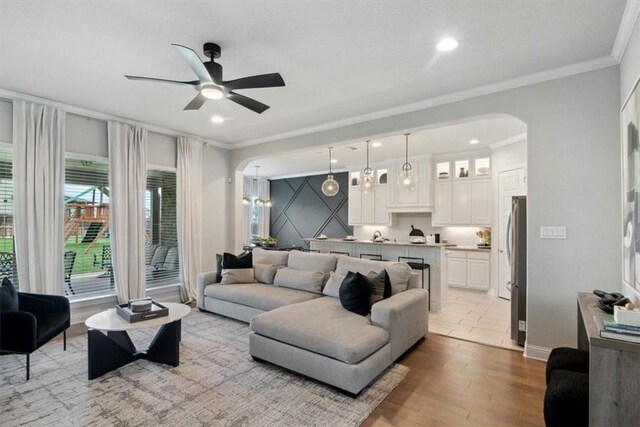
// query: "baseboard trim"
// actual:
[[536, 352]]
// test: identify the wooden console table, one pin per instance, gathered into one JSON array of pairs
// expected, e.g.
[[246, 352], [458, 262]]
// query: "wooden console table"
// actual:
[[614, 371]]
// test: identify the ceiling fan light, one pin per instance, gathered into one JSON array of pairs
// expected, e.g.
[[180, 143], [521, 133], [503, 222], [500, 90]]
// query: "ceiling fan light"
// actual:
[[212, 92]]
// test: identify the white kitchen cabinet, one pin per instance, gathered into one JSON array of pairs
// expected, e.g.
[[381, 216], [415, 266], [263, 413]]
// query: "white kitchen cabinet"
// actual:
[[469, 269], [481, 202], [369, 208], [461, 203], [457, 270], [462, 192], [420, 199], [355, 205], [381, 213], [442, 212]]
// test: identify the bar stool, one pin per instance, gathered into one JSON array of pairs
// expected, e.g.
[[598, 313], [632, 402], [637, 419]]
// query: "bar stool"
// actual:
[[374, 257], [310, 250], [419, 264], [340, 253]]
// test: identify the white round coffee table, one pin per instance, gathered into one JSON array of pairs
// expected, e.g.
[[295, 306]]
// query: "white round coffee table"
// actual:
[[115, 349]]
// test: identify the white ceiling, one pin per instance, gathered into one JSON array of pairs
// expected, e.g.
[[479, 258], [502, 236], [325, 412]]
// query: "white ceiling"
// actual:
[[440, 140], [339, 59]]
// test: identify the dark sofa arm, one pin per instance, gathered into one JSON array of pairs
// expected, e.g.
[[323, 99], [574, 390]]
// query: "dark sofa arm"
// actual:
[[43, 304], [18, 332]]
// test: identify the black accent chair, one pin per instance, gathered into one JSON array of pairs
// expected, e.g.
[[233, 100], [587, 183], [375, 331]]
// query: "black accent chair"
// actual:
[[566, 400], [39, 319]]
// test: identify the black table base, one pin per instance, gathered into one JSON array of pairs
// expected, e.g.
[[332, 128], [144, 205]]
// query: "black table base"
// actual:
[[115, 349]]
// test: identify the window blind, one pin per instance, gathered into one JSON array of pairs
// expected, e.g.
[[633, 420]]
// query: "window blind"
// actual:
[[88, 270], [162, 265], [8, 266]]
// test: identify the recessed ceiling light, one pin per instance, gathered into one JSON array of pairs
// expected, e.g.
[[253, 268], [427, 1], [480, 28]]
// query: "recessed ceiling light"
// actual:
[[447, 44], [473, 141], [217, 119], [376, 144], [334, 160]]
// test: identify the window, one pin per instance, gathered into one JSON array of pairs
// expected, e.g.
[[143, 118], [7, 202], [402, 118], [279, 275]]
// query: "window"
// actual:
[[162, 264], [87, 244], [7, 248]]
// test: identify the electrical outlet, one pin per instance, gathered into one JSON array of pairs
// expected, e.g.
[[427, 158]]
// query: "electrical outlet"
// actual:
[[522, 325], [553, 232]]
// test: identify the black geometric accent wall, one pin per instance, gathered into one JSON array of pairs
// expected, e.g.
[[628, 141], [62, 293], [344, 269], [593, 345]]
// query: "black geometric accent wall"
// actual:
[[301, 210]]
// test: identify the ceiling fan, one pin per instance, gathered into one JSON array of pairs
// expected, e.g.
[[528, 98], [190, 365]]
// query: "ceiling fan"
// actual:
[[210, 84]]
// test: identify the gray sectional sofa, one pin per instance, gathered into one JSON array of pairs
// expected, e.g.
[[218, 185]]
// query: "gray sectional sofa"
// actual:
[[311, 333]]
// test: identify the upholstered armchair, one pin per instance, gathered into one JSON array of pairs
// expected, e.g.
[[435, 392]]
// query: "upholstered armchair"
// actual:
[[38, 319]]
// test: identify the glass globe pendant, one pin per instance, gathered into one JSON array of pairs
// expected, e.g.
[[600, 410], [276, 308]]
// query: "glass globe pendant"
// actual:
[[330, 186], [367, 182], [407, 179]]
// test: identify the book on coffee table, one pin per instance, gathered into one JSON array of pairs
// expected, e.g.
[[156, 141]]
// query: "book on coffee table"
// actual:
[[157, 310]]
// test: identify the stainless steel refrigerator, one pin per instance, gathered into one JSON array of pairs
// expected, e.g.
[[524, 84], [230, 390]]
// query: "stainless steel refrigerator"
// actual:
[[517, 256]]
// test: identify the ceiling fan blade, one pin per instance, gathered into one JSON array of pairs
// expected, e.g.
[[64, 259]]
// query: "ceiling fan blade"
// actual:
[[152, 79], [247, 102], [263, 80], [196, 102], [194, 62]]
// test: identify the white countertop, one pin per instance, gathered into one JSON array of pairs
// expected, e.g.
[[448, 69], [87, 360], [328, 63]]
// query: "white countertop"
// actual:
[[369, 242]]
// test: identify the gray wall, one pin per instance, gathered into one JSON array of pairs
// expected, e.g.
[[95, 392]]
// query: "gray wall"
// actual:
[[300, 209], [573, 150]]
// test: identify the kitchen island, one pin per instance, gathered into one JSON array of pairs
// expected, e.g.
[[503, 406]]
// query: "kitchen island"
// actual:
[[433, 254]]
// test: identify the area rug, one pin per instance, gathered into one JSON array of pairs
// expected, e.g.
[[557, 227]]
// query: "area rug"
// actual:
[[216, 384]]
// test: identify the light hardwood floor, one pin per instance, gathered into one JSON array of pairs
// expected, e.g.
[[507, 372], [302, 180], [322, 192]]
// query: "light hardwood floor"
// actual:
[[460, 383], [475, 316]]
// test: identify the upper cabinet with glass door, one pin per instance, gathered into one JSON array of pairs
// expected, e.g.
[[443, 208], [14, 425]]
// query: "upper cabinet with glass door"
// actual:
[[482, 167]]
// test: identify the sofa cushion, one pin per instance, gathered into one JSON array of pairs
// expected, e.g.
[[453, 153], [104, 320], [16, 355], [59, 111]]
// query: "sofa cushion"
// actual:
[[277, 258], [310, 281], [399, 272], [257, 295], [313, 262], [332, 288], [264, 273], [237, 275], [355, 292], [322, 326]]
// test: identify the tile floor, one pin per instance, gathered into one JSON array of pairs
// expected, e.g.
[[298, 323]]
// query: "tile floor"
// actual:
[[475, 316]]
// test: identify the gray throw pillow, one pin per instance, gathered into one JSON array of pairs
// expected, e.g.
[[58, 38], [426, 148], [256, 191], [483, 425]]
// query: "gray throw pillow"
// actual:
[[310, 281], [264, 273], [380, 286], [332, 288], [237, 275]]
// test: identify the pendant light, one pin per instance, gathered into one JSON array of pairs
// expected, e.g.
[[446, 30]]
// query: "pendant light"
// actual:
[[258, 201], [407, 179], [368, 181], [330, 186]]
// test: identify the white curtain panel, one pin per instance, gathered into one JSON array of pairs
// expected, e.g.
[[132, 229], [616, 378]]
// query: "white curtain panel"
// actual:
[[189, 181], [127, 185], [38, 180], [263, 191]]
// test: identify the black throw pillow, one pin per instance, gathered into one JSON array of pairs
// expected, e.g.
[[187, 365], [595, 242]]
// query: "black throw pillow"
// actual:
[[355, 291], [218, 268], [8, 296], [232, 262]]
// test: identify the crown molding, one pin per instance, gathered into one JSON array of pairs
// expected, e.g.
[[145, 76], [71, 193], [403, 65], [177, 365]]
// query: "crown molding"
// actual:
[[305, 174], [84, 112], [527, 80], [627, 23], [508, 141]]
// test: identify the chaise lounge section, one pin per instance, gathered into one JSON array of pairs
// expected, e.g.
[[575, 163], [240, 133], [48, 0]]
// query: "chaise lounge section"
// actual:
[[311, 333]]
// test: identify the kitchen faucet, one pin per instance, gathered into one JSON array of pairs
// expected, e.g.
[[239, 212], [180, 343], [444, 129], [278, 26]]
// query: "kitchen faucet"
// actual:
[[376, 234]]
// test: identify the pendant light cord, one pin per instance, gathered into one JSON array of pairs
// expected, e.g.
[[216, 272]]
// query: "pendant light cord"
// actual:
[[406, 147], [330, 170]]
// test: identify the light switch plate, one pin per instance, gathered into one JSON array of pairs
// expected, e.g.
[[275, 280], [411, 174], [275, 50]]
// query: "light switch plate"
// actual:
[[553, 232]]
